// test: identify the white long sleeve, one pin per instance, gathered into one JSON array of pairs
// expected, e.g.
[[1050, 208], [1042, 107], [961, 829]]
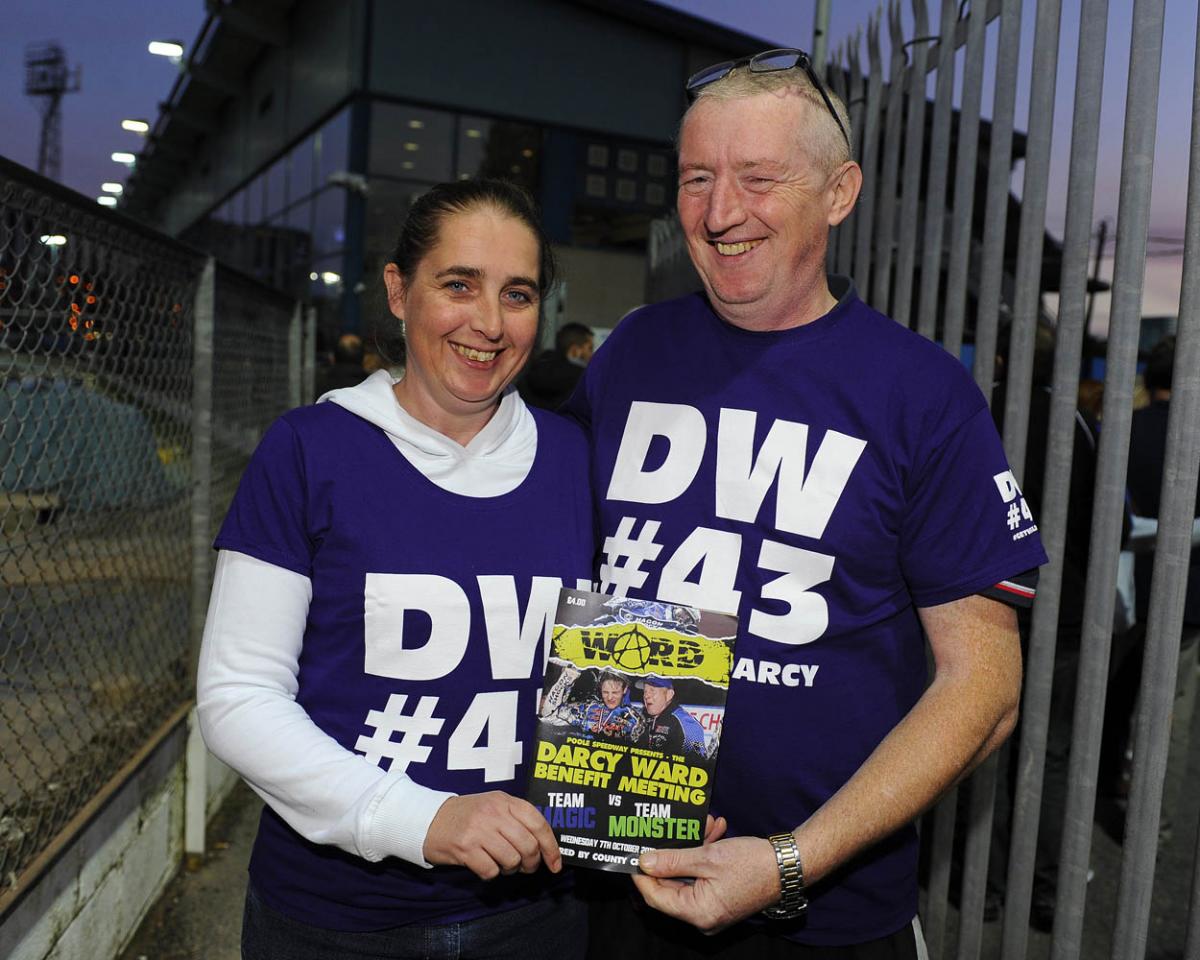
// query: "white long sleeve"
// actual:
[[246, 701]]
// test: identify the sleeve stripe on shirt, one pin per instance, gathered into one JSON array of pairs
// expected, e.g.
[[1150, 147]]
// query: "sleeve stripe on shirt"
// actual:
[[1019, 591]]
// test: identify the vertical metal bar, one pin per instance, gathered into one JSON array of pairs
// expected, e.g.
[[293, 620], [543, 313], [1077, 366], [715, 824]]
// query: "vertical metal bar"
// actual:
[[848, 230], [820, 31], [1172, 558], [865, 228], [935, 189], [910, 190], [885, 230], [309, 381], [295, 356], [965, 175], [975, 859], [201, 532], [1035, 712], [836, 74], [1137, 168], [995, 217], [937, 904], [1031, 233]]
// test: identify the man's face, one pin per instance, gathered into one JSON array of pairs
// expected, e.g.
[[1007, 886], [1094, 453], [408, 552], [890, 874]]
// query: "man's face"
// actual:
[[611, 692], [656, 699], [755, 207]]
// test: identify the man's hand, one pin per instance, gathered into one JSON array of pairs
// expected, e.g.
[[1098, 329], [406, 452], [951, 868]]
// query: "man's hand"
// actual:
[[491, 833], [734, 878]]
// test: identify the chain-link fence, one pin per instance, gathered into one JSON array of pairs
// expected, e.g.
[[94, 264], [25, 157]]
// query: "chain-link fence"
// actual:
[[135, 380]]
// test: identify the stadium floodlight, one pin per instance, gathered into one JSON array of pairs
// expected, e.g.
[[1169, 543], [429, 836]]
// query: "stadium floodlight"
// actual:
[[172, 49], [122, 156], [53, 239], [107, 201], [113, 188], [136, 126]]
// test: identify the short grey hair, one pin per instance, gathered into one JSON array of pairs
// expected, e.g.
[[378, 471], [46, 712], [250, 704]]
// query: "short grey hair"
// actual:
[[825, 141]]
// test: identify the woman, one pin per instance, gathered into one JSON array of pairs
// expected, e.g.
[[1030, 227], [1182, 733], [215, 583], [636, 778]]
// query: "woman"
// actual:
[[373, 656]]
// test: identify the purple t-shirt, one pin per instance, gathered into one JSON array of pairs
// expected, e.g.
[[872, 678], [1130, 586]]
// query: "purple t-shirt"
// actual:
[[425, 639], [823, 482]]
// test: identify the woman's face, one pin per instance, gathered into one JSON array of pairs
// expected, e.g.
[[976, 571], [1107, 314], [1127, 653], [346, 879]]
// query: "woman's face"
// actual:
[[470, 313]]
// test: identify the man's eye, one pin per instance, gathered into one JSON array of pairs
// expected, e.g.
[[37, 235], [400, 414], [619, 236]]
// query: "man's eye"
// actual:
[[695, 183], [458, 286]]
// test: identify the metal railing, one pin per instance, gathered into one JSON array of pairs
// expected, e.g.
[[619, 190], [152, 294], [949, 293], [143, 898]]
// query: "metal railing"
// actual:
[[979, 263], [135, 379]]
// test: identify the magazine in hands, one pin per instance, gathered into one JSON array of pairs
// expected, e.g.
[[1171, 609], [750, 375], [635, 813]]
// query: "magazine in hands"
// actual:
[[629, 726]]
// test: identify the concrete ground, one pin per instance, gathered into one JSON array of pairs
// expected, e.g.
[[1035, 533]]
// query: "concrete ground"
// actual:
[[199, 917]]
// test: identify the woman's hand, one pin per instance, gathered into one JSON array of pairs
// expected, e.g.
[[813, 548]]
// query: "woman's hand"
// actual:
[[491, 833]]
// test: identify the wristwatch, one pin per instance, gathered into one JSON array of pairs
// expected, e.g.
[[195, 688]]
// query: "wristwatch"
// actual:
[[793, 904]]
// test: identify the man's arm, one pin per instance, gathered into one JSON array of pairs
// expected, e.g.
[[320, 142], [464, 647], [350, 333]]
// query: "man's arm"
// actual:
[[965, 714]]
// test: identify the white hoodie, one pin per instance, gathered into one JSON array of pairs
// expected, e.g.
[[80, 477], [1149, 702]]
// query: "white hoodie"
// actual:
[[249, 661]]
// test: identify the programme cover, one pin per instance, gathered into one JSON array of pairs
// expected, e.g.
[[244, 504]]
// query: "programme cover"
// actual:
[[629, 726]]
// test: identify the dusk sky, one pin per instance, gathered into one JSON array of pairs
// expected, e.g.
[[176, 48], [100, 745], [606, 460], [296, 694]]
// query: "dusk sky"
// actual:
[[120, 79]]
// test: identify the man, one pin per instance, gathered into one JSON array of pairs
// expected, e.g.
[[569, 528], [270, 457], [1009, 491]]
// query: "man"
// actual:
[[551, 377], [779, 449], [610, 716], [674, 731]]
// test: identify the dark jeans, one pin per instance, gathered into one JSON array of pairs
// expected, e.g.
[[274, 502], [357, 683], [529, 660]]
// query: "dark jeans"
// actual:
[[619, 928], [550, 929]]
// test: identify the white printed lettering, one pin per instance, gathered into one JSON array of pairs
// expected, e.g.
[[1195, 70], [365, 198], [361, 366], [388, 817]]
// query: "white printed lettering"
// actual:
[[803, 504], [512, 641], [386, 598], [808, 616], [683, 427], [1006, 483], [716, 553]]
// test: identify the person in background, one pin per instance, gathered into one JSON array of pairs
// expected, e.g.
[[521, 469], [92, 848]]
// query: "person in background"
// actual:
[[553, 375], [347, 367], [373, 656]]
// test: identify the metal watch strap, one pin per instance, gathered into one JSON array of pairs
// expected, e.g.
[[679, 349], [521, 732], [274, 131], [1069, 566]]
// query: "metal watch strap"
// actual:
[[793, 903]]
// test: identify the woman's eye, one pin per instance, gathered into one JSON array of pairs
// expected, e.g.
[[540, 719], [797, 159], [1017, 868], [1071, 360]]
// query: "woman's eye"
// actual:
[[519, 296]]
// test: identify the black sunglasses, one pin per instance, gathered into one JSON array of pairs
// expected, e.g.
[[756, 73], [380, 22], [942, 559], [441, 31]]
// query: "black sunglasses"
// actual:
[[786, 58]]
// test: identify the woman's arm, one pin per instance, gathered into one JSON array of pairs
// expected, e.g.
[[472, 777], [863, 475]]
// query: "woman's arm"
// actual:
[[246, 700]]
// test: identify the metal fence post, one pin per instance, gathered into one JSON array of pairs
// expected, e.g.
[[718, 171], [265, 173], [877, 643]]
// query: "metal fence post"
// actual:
[[935, 189], [865, 226], [893, 118], [202, 397], [309, 361], [965, 175], [296, 356], [914, 148], [1089, 80], [1173, 547], [995, 217], [1137, 163]]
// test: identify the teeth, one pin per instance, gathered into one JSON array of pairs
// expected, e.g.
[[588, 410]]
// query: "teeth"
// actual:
[[733, 249], [472, 354]]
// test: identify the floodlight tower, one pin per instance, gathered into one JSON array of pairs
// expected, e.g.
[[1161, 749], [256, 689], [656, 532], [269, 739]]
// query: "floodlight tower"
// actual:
[[47, 78]]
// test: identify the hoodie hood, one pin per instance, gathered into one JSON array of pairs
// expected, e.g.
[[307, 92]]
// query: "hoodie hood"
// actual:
[[493, 463]]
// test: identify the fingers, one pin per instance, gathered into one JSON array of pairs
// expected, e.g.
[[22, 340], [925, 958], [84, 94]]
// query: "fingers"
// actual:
[[491, 833], [714, 829], [684, 862]]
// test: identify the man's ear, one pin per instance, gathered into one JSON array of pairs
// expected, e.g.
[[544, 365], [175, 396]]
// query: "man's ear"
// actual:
[[846, 186], [397, 290]]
